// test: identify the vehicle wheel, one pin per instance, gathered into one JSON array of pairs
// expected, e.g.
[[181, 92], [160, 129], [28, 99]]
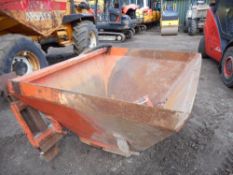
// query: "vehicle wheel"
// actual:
[[129, 34], [185, 29], [138, 29], [192, 28], [20, 54], [85, 36], [227, 68], [201, 48], [143, 27]]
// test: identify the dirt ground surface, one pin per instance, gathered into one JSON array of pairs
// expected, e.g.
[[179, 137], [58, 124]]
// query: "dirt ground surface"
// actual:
[[203, 147]]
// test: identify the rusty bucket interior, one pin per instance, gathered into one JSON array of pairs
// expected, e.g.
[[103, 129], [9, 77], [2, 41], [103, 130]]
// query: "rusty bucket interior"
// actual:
[[121, 100]]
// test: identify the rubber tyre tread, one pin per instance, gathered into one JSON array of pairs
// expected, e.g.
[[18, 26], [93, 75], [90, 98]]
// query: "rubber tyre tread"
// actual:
[[81, 34], [11, 44], [192, 27], [201, 48], [227, 81]]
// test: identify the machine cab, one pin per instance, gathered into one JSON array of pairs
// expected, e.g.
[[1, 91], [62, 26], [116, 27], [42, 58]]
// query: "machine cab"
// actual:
[[218, 28]]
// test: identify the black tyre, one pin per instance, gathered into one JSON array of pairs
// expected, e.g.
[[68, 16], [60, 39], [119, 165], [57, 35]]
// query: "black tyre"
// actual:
[[85, 36], [185, 28], [20, 54], [227, 68], [192, 27], [129, 34], [138, 29], [201, 48]]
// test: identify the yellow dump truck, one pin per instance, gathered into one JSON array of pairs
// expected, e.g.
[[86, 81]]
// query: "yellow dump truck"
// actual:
[[28, 28]]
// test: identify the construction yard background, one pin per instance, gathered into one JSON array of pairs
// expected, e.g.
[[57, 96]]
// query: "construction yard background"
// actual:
[[203, 147]]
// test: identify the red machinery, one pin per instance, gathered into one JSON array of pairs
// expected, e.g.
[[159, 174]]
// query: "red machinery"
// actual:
[[218, 40], [121, 100]]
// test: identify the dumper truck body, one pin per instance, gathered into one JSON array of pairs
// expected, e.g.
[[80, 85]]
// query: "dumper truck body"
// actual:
[[29, 27], [120, 100]]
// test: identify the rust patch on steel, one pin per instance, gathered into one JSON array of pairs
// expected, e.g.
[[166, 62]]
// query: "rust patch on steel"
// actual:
[[123, 101]]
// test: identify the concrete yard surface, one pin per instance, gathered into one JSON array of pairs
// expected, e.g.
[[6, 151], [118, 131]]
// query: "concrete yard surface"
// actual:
[[203, 147]]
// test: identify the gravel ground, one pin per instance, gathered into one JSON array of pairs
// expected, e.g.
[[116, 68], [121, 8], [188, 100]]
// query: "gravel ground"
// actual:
[[203, 147]]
